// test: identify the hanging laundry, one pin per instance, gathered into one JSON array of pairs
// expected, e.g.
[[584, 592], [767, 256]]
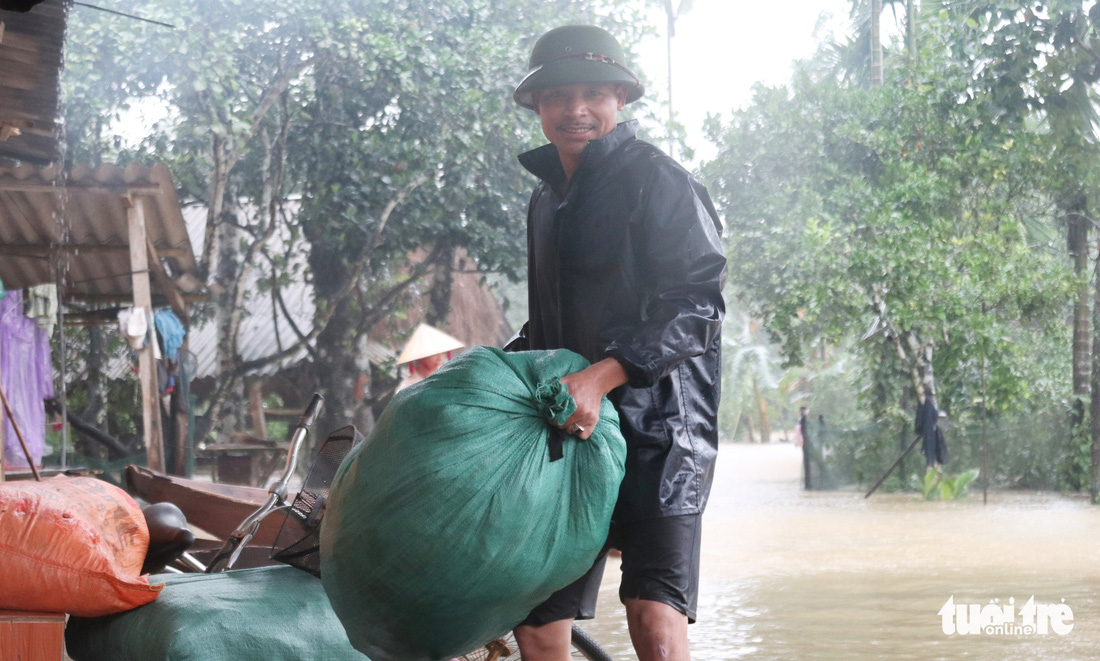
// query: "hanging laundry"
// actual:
[[134, 326], [171, 332], [26, 374], [40, 304]]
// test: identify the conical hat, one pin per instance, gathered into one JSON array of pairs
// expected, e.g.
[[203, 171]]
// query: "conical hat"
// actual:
[[427, 341]]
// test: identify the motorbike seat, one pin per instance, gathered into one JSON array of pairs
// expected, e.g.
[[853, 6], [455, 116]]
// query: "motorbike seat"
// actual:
[[169, 536]]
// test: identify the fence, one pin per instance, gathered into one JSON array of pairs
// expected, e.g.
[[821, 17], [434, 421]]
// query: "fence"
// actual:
[[1032, 451]]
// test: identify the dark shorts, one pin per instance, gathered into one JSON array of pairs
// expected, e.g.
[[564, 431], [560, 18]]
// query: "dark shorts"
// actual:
[[660, 562]]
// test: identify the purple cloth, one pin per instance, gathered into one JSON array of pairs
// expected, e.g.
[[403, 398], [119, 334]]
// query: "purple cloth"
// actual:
[[26, 375]]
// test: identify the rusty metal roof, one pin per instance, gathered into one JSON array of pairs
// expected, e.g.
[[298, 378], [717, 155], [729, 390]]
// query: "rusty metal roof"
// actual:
[[72, 228], [30, 66]]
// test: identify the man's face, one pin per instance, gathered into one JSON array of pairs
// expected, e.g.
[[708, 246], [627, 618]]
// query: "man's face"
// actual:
[[574, 114]]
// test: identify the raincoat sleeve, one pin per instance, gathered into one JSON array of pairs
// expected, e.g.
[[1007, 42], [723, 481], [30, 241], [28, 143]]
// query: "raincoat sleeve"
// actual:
[[519, 341], [681, 269]]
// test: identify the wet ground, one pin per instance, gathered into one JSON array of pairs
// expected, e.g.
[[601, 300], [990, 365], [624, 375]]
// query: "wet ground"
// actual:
[[788, 574]]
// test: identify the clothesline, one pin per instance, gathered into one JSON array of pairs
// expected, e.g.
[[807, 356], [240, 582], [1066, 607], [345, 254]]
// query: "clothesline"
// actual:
[[27, 320]]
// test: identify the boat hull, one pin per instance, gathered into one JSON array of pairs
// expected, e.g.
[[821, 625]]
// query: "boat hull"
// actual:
[[215, 508]]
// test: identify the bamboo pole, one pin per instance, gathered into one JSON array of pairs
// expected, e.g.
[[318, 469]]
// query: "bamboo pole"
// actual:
[[891, 469], [19, 435]]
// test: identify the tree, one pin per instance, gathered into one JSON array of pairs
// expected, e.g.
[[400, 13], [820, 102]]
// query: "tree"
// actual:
[[897, 214], [672, 12], [751, 369], [1039, 63], [391, 122]]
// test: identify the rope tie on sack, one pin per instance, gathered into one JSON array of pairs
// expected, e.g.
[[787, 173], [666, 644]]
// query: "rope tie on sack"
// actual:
[[556, 405]]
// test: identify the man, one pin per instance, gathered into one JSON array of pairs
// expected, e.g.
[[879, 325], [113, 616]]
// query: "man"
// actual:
[[625, 268]]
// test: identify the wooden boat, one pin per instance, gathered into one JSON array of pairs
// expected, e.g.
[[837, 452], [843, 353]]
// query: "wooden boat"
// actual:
[[216, 508]]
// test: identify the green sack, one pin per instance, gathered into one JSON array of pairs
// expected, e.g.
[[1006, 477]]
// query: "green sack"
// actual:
[[450, 523], [264, 614]]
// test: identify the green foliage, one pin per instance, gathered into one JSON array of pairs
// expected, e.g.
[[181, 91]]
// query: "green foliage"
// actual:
[[277, 429], [1023, 450], [938, 485], [920, 225], [1077, 451], [334, 142], [859, 455], [928, 484], [906, 210], [748, 360]]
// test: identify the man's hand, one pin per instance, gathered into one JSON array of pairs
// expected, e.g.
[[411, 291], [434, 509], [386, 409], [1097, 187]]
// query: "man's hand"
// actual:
[[587, 388]]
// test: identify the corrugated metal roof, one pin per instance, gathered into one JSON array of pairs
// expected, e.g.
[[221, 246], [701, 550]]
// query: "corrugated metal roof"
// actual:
[[75, 225], [475, 318], [30, 65]]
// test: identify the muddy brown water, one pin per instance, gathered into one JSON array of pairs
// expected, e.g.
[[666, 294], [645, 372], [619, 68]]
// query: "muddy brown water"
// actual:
[[788, 574]]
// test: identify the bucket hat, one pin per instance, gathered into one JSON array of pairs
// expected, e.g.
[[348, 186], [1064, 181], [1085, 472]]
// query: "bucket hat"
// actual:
[[576, 54]]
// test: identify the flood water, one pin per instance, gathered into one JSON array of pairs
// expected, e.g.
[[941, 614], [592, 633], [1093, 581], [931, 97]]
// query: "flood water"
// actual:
[[788, 574]]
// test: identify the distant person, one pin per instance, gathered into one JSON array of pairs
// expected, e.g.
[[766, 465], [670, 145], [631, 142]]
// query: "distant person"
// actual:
[[425, 352], [625, 267], [799, 429]]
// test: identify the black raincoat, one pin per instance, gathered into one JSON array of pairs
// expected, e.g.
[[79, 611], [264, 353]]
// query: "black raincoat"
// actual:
[[628, 263], [927, 424]]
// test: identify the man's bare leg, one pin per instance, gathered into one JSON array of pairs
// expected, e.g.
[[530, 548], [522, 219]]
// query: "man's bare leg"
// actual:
[[658, 631], [550, 642]]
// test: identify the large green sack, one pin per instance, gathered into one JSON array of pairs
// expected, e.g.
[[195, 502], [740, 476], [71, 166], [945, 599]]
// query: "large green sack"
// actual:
[[265, 614], [450, 523]]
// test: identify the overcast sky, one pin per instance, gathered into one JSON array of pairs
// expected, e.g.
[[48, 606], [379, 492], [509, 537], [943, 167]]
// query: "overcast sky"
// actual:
[[722, 47]]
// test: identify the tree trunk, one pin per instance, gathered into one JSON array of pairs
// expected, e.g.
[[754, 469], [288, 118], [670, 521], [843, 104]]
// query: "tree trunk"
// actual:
[[671, 13], [904, 437], [1078, 249], [1094, 405], [748, 427], [439, 298], [911, 28], [876, 43], [227, 414], [1083, 370], [762, 407], [337, 371]]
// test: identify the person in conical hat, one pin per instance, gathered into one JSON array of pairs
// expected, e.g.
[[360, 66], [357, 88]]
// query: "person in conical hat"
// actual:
[[425, 352], [625, 268]]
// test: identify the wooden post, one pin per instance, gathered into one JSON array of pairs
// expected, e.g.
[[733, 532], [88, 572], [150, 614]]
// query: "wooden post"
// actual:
[[147, 368], [175, 298], [256, 407]]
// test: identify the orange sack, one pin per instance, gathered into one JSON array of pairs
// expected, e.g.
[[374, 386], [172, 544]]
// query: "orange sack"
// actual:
[[72, 545]]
